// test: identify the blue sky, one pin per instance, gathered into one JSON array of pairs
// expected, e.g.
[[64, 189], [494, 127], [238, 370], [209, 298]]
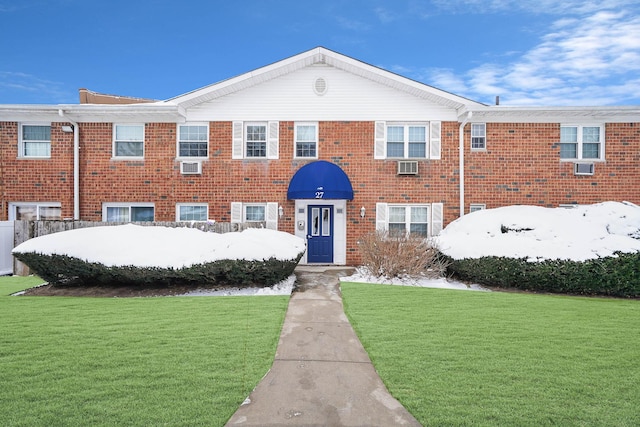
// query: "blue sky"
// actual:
[[529, 52]]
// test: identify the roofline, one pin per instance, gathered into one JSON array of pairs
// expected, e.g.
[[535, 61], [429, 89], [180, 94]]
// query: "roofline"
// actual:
[[539, 114], [317, 55]]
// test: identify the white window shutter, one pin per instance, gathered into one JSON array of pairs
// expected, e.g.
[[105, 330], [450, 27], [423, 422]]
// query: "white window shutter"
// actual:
[[380, 140], [272, 216], [238, 140], [381, 217], [272, 140], [236, 212], [434, 152], [436, 218]]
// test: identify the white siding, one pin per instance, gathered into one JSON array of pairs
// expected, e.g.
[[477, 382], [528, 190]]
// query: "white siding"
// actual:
[[292, 97]]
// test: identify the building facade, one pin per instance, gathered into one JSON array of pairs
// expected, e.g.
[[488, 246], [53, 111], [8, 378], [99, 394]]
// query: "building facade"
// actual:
[[320, 145]]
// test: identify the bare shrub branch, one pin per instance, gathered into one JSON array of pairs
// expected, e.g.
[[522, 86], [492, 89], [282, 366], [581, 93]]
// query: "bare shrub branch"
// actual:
[[400, 255]]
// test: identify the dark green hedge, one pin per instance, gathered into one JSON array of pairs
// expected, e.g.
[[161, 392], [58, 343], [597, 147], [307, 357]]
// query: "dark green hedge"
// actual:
[[617, 276], [69, 271]]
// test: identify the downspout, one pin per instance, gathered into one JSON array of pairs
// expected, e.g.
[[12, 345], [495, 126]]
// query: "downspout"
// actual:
[[76, 165], [461, 159]]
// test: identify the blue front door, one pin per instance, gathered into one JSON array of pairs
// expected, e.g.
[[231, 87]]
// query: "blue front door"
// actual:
[[320, 234]]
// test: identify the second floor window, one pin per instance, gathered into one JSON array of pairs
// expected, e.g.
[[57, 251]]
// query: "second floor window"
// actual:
[[128, 141], [407, 141], [306, 139], [581, 142], [256, 140], [35, 141], [193, 140], [478, 136]]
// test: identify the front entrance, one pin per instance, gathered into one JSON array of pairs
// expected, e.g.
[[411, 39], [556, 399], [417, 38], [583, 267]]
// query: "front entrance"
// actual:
[[320, 234]]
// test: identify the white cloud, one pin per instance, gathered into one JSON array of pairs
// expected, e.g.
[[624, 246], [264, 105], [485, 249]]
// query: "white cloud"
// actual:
[[35, 87], [593, 59]]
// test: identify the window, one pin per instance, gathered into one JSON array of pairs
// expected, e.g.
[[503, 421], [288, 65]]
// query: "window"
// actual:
[[35, 211], [193, 140], [254, 213], [478, 136], [192, 212], [409, 219], [474, 207], [581, 142], [35, 141], [127, 212], [407, 140], [306, 140], [128, 141], [256, 140]]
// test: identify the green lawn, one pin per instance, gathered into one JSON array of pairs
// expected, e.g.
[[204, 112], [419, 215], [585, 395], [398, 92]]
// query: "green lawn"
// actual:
[[488, 359], [131, 361]]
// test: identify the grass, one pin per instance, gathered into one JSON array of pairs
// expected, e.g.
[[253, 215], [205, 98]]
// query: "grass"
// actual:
[[131, 361], [484, 359]]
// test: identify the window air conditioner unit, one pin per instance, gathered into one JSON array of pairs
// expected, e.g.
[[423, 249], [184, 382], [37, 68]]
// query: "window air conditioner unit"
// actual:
[[407, 168], [190, 168], [584, 169]]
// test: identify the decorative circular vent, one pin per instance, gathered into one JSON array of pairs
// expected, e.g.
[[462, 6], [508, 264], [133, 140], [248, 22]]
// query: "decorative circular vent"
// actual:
[[320, 86]]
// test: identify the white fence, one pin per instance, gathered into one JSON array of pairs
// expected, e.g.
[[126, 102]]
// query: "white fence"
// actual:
[[6, 245]]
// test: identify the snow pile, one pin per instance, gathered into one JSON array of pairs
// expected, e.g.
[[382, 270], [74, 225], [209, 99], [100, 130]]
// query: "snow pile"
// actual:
[[361, 275], [537, 234], [163, 247]]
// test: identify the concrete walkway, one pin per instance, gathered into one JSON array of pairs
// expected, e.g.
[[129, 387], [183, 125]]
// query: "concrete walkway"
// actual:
[[321, 375]]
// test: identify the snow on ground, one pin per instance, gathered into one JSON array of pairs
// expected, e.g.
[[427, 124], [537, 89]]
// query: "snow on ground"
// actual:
[[537, 233], [284, 287], [361, 276], [164, 247], [532, 232]]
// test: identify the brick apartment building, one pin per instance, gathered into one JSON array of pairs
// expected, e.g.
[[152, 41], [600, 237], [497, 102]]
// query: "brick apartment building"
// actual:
[[320, 145]]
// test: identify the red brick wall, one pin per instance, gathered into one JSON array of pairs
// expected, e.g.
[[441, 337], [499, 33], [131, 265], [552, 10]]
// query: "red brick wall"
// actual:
[[522, 166], [36, 180]]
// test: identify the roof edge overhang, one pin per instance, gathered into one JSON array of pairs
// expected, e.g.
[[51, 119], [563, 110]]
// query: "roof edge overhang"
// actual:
[[506, 114], [159, 112]]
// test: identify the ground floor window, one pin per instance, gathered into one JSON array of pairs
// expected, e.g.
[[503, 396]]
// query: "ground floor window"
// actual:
[[419, 219], [127, 212], [256, 212], [35, 211], [192, 212], [409, 220]]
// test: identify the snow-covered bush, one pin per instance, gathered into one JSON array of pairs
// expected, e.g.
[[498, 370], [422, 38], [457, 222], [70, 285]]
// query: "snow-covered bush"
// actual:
[[136, 255], [592, 249]]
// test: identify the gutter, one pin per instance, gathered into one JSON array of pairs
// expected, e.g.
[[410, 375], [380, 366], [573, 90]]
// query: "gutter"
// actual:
[[461, 159], [76, 165]]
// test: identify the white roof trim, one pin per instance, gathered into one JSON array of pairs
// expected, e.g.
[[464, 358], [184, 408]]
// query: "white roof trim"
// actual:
[[320, 55], [94, 113], [504, 114]]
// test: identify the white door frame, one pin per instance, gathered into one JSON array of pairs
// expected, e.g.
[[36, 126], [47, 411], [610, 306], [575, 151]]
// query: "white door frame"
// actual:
[[339, 226]]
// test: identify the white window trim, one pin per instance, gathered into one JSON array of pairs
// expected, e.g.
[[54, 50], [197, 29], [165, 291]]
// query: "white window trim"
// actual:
[[239, 140], [38, 205], [483, 136], [295, 139], [238, 213], [433, 140], [113, 143], [579, 157], [178, 157], [473, 207], [129, 205], [21, 154], [179, 205], [406, 126]]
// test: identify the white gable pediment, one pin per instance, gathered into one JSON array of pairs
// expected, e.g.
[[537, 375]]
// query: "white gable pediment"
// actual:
[[354, 91]]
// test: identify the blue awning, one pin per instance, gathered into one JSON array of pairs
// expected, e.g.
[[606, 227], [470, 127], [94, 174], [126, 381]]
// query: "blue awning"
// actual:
[[320, 180]]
